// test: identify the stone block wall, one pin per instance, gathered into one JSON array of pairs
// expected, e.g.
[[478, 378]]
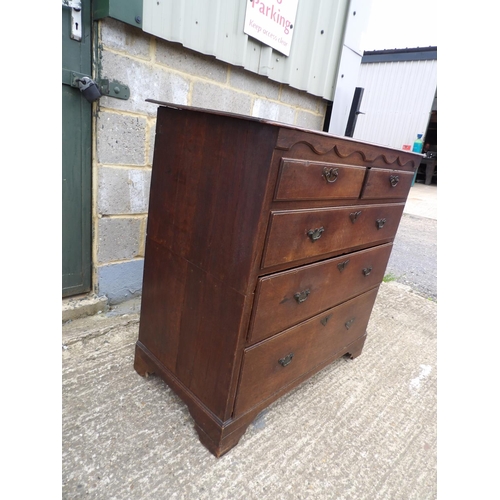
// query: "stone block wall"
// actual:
[[124, 133]]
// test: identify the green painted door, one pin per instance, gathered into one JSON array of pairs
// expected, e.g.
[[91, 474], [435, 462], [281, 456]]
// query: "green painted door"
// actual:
[[76, 152]]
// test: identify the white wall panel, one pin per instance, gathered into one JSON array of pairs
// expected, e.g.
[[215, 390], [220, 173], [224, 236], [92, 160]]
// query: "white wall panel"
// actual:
[[397, 101], [350, 61]]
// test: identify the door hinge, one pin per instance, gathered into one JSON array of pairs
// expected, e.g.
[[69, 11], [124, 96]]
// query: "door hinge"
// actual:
[[76, 18]]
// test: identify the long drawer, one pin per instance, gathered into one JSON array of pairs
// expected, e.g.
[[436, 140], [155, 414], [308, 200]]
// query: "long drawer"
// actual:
[[295, 235], [289, 297], [274, 363]]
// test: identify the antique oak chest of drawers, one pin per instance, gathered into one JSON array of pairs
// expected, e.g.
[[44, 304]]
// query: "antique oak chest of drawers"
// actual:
[[266, 245]]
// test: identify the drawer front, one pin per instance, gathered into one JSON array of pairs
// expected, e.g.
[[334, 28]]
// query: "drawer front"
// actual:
[[278, 361], [310, 180], [300, 234], [287, 298], [383, 183]]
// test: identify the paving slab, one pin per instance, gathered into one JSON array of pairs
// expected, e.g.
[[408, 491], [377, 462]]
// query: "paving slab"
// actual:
[[422, 201]]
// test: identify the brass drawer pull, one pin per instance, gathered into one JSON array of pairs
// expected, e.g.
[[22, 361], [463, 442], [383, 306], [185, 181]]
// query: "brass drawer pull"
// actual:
[[343, 265], [324, 321], [354, 216], [302, 296], [315, 234], [367, 270], [394, 179], [349, 323], [331, 174], [380, 223], [286, 360]]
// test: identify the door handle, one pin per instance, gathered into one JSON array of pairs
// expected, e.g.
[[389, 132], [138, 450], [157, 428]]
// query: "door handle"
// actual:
[[76, 18]]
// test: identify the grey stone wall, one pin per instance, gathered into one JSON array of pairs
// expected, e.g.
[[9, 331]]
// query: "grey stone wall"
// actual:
[[124, 135]]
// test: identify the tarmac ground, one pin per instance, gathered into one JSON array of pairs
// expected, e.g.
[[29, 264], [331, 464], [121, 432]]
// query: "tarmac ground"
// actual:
[[362, 429]]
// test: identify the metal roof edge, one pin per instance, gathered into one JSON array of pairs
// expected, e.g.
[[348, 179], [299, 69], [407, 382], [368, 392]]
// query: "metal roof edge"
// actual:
[[396, 55]]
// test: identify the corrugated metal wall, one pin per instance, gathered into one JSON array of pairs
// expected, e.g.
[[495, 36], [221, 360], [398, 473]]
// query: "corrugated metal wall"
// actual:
[[215, 27], [397, 101]]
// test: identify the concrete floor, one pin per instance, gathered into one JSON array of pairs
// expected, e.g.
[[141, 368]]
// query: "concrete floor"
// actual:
[[360, 429], [422, 201]]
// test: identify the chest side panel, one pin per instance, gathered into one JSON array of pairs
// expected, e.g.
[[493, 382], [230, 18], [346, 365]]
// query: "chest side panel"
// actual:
[[208, 184]]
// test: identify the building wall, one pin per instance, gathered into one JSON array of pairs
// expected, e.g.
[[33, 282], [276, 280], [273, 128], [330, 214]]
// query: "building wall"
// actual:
[[397, 101], [217, 29], [124, 134]]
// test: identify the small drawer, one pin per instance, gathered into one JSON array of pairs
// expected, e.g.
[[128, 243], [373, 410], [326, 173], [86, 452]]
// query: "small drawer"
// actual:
[[311, 180], [274, 363], [383, 183], [287, 298], [295, 235]]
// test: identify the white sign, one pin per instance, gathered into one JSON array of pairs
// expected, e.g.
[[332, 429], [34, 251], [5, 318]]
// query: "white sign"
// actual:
[[271, 22]]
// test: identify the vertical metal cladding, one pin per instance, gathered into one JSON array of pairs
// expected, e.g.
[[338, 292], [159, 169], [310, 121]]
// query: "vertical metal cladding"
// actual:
[[397, 101], [215, 28]]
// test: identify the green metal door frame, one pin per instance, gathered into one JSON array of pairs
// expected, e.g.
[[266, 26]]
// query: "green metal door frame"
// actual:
[[76, 156]]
